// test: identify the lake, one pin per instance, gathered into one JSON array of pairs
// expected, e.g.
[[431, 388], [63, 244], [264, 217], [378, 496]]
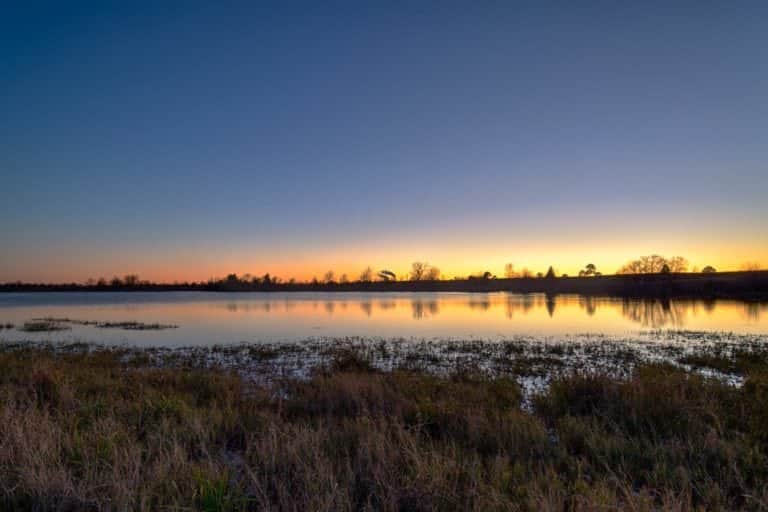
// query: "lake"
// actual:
[[205, 318]]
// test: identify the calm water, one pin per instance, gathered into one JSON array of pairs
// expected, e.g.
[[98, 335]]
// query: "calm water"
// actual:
[[208, 318]]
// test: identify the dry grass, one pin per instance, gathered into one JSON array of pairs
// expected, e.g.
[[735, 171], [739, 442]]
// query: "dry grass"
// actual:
[[96, 431]]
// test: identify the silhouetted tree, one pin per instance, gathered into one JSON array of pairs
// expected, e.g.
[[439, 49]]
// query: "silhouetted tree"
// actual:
[[654, 264], [433, 274], [343, 279], [387, 275], [526, 272], [509, 271], [677, 264], [709, 269], [366, 275], [750, 266], [418, 270], [131, 280], [665, 269], [421, 270], [329, 277], [550, 273]]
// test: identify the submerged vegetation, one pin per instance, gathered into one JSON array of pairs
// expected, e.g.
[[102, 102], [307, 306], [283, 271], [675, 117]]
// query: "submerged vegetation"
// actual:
[[386, 426], [57, 324], [43, 325]]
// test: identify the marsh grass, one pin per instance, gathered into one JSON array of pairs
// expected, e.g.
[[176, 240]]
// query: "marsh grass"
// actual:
[[43, 326], [95, 429], [130, 326]]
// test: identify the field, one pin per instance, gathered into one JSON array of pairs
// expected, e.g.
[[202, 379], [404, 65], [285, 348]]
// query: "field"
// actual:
[[377, 426]]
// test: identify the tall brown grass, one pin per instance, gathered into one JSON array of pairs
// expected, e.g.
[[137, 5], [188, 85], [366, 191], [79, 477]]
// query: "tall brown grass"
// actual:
[[91, 431]]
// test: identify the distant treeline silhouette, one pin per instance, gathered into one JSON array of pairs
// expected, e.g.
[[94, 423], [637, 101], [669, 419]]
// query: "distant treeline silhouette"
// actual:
[[652, 275]]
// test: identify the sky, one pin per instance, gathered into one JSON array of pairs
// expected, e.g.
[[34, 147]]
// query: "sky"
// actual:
[[183, 141]]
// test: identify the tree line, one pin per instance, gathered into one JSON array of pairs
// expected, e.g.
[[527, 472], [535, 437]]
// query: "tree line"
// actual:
[[420, 272]]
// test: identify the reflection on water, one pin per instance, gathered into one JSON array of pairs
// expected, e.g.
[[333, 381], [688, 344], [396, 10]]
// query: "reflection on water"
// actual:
[[655, 313], [231, 317], [588, 304]]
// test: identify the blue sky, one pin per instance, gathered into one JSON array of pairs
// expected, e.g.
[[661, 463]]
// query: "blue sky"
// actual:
[[184, 140]]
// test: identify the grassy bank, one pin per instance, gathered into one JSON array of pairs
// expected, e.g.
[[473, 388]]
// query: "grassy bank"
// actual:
[[103, 429]]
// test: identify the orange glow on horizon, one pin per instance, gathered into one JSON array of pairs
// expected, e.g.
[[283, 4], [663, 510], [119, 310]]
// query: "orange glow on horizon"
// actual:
[[453, 264]]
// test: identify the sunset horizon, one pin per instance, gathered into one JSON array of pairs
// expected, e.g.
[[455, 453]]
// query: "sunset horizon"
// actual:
[[297, 142], [401, 267]]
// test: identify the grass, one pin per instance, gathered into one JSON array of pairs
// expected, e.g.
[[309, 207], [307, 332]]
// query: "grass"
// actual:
[[43, 326], [135, 326], [131, 325], [96, 429]]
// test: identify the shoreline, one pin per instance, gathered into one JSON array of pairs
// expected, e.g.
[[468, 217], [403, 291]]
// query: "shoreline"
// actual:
[[723, 285]]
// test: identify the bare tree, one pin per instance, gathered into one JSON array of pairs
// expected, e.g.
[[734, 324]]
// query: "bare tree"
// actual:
[[131, 280], [526, 272], [655, 264], [418, 270], [509, 271], [343, 279], [677, 264], [329, 276], [652, 264], [366, 275], [433, 273]]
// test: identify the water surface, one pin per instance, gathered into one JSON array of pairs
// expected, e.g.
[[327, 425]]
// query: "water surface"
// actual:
[[205, 318]]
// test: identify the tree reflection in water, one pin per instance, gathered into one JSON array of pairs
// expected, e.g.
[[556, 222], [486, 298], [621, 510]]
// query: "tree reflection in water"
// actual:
[[483, 304], [550, 303], [386, 305], [588, 303], [752, 310], [422, 308], [654, 313]]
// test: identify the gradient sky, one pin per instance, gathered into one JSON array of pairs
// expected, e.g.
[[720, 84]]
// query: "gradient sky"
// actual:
[[186, 141]]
